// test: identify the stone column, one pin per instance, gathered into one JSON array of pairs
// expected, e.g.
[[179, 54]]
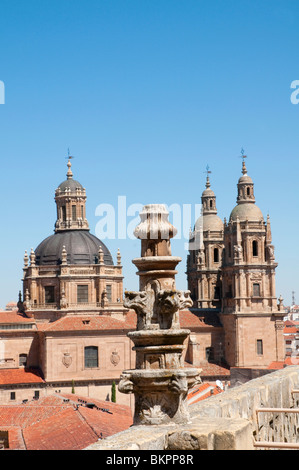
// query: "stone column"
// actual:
[[160, 382]]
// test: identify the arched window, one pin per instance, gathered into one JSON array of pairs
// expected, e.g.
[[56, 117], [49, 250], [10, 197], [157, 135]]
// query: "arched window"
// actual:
[[211, 203], [91, 357], [216, 255], [248, 191], [254, 248]]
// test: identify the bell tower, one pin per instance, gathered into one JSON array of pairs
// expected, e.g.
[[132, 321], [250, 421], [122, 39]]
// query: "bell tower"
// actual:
[[252, 320], [205, 254]]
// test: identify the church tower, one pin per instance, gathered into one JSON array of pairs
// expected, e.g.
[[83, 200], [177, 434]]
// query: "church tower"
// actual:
[[205, 254], [71, 271], [250, 315]]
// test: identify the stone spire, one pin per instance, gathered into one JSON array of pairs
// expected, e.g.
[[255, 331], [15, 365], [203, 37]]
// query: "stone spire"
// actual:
[[69, 172]]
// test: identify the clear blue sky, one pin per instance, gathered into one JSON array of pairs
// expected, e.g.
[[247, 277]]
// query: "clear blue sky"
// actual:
[[146, 93]]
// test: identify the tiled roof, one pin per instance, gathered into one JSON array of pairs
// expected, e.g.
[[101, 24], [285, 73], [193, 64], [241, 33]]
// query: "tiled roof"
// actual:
[[62, 422], [188, 319], [214, 370], [14, 317], [66, 430], [276, 365], [91, 322], [290, 330], [20, 376], [201, 392]]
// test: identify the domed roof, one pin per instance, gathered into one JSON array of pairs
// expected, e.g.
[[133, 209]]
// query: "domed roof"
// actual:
[[247, 211], [209, 222], [81, 246], [70, 184], [245, 179], [208, 193]]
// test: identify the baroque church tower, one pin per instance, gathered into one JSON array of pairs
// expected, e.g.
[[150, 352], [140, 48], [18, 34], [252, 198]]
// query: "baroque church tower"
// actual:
[[205, 254], [231, 272], [71, 271], [250, 315]]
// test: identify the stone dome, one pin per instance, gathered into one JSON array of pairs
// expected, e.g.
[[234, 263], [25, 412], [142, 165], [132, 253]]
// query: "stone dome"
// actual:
[[81, 246], [209, 222], [70, 184], [245, 179], [247, 211]]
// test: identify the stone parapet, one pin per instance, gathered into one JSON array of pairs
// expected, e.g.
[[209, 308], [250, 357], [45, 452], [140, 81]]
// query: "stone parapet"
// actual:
[[226, 421]]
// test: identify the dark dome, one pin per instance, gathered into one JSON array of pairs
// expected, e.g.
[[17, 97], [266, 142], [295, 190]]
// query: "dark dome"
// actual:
[[70, 184], [81, 246]]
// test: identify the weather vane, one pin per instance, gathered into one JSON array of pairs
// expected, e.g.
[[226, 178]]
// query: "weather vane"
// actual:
[[68, 155], [208, 171], [243, 156]]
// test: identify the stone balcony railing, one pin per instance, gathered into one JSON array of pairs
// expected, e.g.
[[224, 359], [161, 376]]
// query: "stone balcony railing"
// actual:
[[232, 420]]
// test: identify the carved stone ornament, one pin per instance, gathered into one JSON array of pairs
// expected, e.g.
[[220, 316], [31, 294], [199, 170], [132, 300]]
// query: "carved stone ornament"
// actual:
[[114, 358], [67, 359], [160, 382]]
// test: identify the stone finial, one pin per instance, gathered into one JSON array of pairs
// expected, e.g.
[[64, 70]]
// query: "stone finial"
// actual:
[[118, 257], [32, 258], [280, 303], [64, 256], [101, 255], [69, 172], [26, 260]]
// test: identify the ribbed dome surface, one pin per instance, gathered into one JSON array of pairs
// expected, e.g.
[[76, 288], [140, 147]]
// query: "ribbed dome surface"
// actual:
[[70, 184], [247, 211], [81, 246]]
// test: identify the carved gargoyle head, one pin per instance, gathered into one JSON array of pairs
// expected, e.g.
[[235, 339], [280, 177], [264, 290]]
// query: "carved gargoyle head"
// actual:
[[167, 301], [185, 300]]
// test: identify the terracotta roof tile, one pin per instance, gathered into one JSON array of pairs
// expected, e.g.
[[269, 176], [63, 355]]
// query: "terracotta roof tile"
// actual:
[[62, 422], [66, 430], [14, 317], [89, 322], [202, 392], [20, 376], [213, 370]]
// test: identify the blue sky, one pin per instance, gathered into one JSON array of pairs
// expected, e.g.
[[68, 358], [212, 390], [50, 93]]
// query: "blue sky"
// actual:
[[146, 93]]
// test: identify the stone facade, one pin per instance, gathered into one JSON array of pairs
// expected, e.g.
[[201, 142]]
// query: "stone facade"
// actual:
[[231, 271]]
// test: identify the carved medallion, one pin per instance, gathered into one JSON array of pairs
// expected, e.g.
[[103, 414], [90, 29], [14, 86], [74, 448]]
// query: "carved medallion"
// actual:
[[67, 359], [114, 358]]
